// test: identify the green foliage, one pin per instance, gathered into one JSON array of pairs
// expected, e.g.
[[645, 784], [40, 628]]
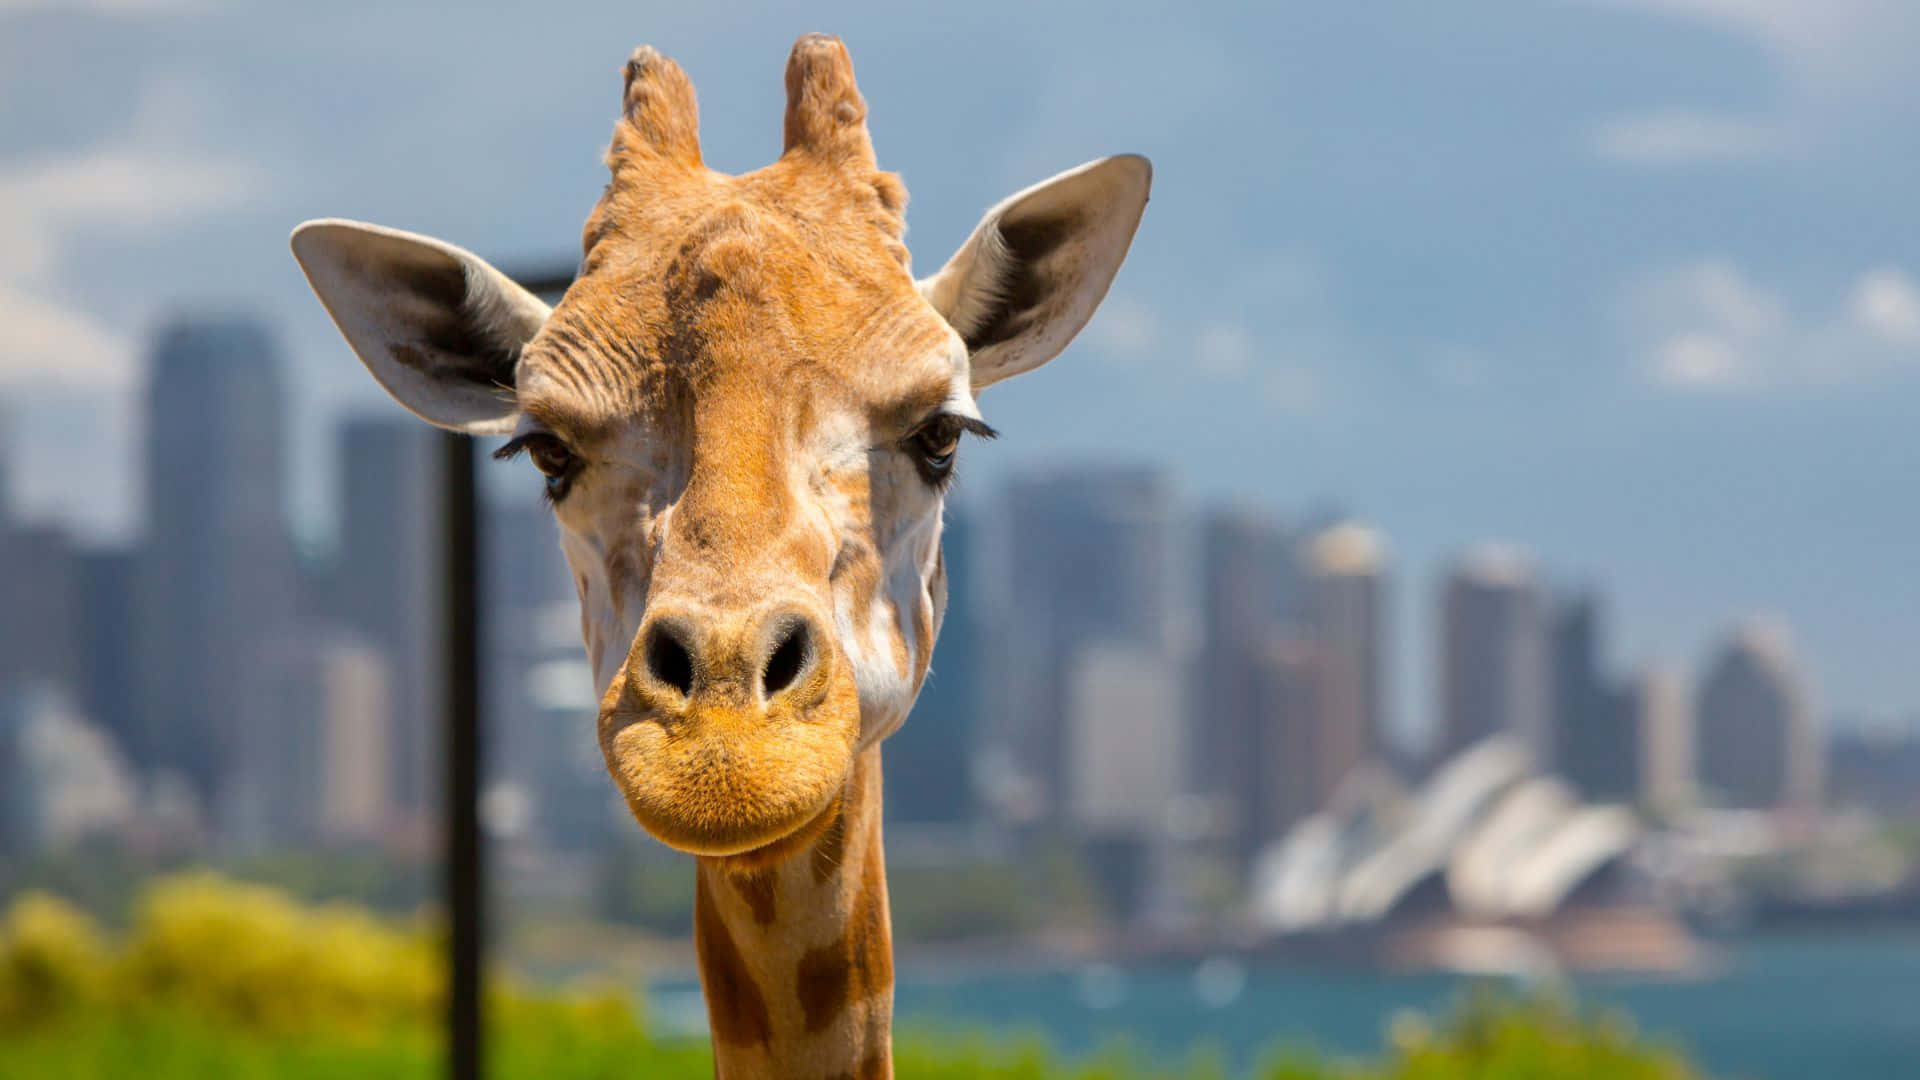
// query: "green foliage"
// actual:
[[223, 979], [52, 961], [249, 956], [1493, 1037]]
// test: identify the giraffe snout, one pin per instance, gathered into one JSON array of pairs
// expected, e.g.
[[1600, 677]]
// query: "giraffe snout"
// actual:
[[729, 729], [771, 659]]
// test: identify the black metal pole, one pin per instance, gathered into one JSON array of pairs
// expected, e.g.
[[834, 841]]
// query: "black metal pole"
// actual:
[[460, 638]]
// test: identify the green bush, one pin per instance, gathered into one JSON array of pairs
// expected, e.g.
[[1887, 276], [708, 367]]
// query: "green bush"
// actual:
[[52, 961], [248, 956]]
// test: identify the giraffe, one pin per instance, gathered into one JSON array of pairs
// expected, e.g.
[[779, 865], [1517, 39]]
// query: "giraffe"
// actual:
[[746, 412]]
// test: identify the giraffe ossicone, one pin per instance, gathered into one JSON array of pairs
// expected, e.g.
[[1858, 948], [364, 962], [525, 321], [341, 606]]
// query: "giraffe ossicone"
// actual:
[[745, 411]]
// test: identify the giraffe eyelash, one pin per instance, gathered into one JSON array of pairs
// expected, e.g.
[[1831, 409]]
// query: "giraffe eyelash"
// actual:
[[555, 460], [935, 443]]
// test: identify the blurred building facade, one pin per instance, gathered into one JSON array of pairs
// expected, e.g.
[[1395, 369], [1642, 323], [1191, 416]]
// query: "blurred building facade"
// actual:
[[1758, 745], [1596, 728], [1494, 674], [386, 583], [1663, 706], [1346, 602], [1085, 562], [1250, 600], [217, 577]]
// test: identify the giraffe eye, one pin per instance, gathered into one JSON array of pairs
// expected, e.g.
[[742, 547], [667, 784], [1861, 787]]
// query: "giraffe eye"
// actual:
[[934, 443], [548, 454], [936, 449]]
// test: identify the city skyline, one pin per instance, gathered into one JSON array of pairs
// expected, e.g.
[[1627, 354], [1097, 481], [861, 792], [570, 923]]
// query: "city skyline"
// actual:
[[1423, 730], [1076, 566]]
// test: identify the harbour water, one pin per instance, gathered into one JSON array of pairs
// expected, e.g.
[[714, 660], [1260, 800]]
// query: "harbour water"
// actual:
[[1782, 1008]]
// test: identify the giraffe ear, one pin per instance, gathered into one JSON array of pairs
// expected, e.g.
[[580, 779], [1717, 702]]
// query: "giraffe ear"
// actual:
[[436, 325], [1037, 265]]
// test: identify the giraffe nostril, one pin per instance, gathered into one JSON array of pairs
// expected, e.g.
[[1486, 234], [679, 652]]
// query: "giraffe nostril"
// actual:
[[668, 659], [789, 658]]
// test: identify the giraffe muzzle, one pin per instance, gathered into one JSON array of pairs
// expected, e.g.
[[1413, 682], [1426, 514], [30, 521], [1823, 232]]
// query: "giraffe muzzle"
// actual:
[[726, 732]]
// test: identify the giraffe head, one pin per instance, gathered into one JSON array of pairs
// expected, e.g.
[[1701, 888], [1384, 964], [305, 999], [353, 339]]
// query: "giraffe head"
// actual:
[[745, 411]]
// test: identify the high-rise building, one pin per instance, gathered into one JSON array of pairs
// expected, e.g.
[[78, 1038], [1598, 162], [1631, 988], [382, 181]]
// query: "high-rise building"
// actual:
[[1494, 676], [1125, 749], [543, 747], [1346, 589], [1666, 722], [109, 588], [312, 762], [355, 744], [1086, 564], [1596, 728], [217, 578], [930, 759], [387, 580], [1125, 744], [1758, 744], [40, 630], [1291, 751], [1250, 592], [1291, 675]]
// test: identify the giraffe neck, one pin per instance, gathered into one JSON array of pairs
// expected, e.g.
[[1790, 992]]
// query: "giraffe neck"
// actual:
[[795, 950]]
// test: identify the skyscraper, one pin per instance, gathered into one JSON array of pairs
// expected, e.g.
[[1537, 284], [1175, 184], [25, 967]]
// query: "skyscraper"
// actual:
[[1291, 752], [1345, 569], [1667, 741], [311, 761], [1493, 654], [539, 689], [217, 579], [1125, 744], [1596, 729], [109, 591], [1758, 744], [40, 630], [387, 579], [1087, 563], [929, 760], [1249, 595]]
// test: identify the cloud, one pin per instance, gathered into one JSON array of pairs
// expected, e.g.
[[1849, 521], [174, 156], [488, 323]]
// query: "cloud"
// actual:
[[1670, 137], [1846, 77], [1698, 360], [1126, 329], [51, 343], [1886, 304], [49, 337], [1223, 351], [1707, 327], [1833, 49]]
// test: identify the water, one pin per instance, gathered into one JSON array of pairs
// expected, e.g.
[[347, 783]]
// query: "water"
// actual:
[[1832, 1008]]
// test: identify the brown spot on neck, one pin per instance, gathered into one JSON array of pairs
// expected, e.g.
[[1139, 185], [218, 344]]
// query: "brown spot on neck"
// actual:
[[859, 965], [756, 888], [736, 1009]]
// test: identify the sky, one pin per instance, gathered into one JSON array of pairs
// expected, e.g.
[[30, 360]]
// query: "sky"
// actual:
[[1633, 284]]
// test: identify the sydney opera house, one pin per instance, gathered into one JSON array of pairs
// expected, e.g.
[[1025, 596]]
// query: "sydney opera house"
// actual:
[[1489, 866]]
